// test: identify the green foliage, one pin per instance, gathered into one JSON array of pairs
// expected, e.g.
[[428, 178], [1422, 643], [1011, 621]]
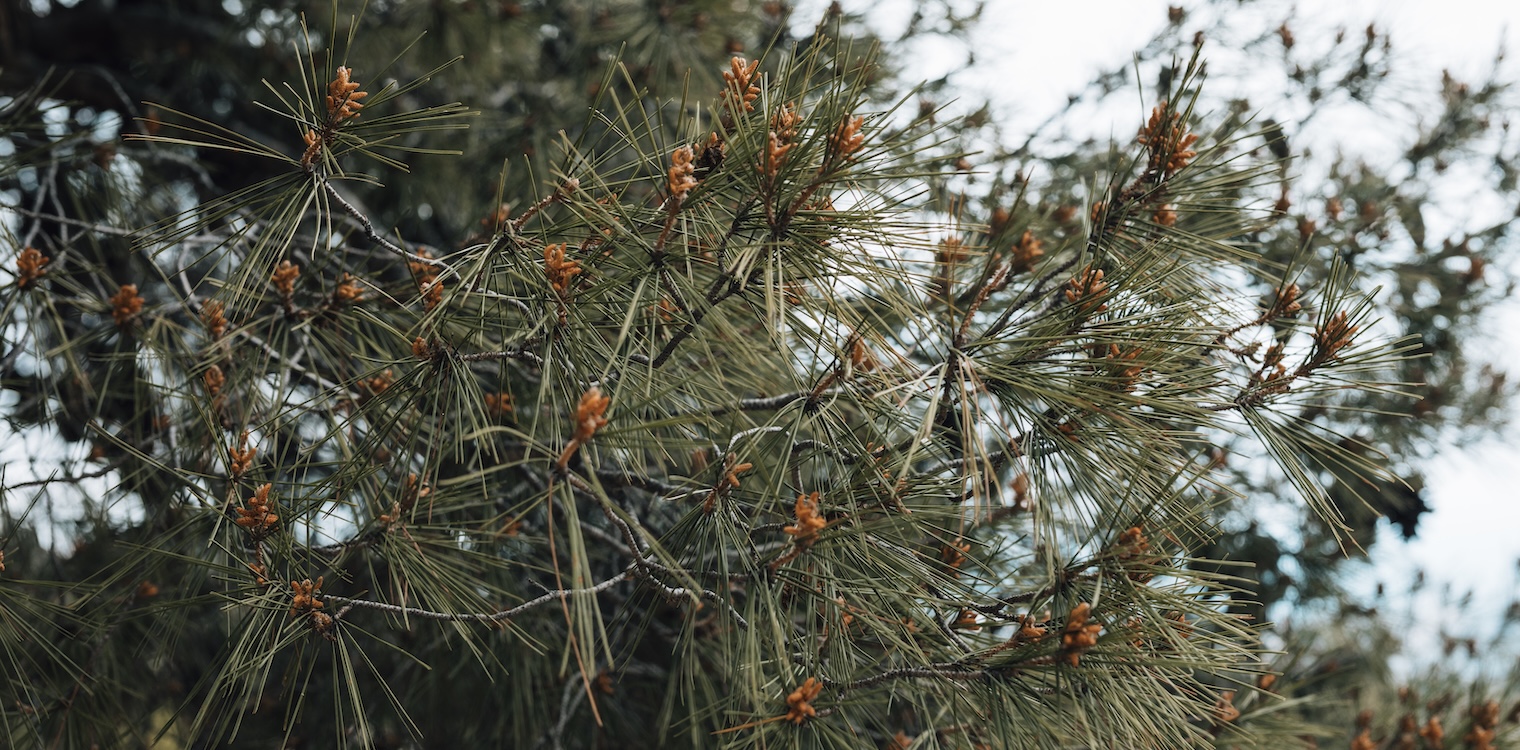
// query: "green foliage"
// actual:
[[732, 427]]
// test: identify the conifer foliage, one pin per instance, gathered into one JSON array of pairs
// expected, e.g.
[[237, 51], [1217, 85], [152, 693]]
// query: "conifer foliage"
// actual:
[[722, 441]]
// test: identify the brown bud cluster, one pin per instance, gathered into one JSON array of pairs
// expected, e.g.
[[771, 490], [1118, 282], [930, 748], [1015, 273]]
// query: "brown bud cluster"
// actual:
[[847, 138], [30, 266], [214, 380], [343, 96], [1132, 543], [125, 305], [258, 516], [740, 86], [953, 555], [1087, 285], [681, 180], [378, 384], [589, 414], [726, 483], [589, 417], [799, 703], [1285, 302], [1224, 708], [1167, 141], [428, 283], [776, 149], [1331, 338], [710, 157], [951, 250], [1079, 634], [304, 603], [785, 120], [1485, 720], [342, 104], [1021, 500], [240, 458], [809, 520], [1124, 367], [1031, 629], [284, 280], [1334, 335], [966, 620], [213, 316], [1025, 254], [1272, 377], [498, 405], [561, 272], [1433, 734], [412, 490], [861, 358], [348, 291]]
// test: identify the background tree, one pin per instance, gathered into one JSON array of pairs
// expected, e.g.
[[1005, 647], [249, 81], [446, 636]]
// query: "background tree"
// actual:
[[810, 449]]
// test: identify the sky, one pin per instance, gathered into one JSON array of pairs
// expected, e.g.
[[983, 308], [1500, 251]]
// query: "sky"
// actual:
[[1031, 55]]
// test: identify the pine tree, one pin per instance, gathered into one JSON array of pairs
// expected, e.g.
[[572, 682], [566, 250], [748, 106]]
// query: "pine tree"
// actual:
[[729, 425]]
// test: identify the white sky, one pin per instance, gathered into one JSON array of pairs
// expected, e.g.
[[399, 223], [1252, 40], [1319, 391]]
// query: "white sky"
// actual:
[[1032, 55]]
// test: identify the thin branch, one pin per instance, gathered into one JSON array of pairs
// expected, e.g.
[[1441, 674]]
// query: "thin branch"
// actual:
[[643, 563], [946, 671], [43, 187], [113, 466], [770, 403], [733, 442], [548, 598], [677, 593], [844, 456], [1028, 297], [722, 289], [648, 484], [559, 194], [520, 354], [369, 229]]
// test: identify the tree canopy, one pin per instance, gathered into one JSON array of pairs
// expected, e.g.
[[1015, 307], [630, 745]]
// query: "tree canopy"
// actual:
[[681, 374]]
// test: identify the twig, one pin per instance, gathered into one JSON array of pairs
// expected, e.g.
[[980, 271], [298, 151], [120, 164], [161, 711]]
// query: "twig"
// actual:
[[733, 442], [649, 484], [844, 456], [369, 229], [548, 598], [1028, 297], [559, 194], [981, 297], [945, 671], [42, 191], [676, 593], [113, 466], [769, 403], [521, 354], [643, 565], [722, 289]]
